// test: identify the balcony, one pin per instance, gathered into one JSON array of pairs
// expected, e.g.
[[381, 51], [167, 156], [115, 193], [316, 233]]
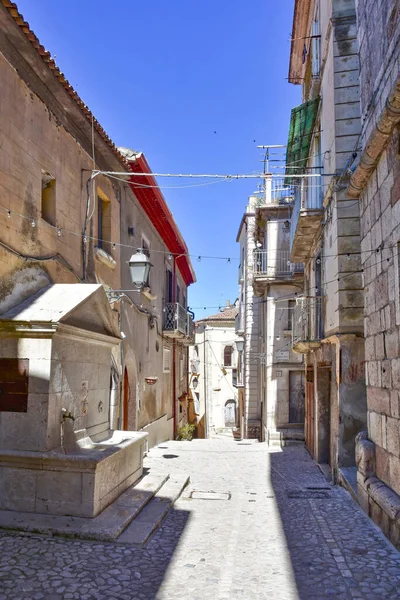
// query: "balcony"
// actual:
[[178, 323], [272, 265], [307, 330], [306, 218], [277, 193]]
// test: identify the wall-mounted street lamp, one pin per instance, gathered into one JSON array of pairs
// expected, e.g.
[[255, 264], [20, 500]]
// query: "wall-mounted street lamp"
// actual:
[[139, 266], [195, 382], [239, 344]]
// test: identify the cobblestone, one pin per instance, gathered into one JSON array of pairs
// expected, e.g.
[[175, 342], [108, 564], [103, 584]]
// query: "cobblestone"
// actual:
[[261, 543]]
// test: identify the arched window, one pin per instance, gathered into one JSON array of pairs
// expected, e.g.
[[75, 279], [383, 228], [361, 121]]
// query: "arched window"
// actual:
[[228, 350]]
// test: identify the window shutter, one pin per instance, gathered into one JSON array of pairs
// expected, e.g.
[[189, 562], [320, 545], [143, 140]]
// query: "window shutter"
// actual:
[[166, 360]]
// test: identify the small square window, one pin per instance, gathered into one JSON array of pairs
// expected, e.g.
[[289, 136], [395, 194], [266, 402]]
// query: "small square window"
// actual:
[[104, 224], [48, 200]]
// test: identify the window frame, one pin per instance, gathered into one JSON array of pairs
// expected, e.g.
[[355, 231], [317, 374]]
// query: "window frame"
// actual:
[[231, 350], [166, 359]]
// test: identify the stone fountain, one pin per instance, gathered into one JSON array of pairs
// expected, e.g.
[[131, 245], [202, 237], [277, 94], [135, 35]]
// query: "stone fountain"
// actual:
[[58, 453]]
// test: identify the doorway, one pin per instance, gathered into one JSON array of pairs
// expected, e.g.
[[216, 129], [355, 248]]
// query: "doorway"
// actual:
[[310, 412], [296, 397], [230, 413], [125, 415]]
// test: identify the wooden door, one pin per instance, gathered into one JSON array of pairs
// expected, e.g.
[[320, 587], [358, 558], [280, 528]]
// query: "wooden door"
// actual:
[[296, 397], [310, 411]]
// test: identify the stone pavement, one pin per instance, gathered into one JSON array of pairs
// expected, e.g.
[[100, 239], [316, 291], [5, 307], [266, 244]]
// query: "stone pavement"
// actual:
[[269, 537]]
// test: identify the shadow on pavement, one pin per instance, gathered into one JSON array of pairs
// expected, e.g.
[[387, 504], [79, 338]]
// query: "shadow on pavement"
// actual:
[[297, 483], [54, 568]]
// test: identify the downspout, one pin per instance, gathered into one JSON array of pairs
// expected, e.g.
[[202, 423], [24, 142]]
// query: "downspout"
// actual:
[[205, 387], [175, 416]]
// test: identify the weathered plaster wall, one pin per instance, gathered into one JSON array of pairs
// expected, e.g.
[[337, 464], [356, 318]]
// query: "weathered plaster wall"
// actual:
[[144, 344], [252, 323], [279, 355], [34, 140]]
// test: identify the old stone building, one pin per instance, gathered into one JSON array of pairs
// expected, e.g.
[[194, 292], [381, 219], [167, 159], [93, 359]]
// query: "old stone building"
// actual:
[[271, 382], [216, 358], [275, 281], [375, 187], [247, 325], [65, 274], [325, 226], [159, 328]]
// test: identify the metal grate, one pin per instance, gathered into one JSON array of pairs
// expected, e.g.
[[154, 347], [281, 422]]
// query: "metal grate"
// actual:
[[310, 493]]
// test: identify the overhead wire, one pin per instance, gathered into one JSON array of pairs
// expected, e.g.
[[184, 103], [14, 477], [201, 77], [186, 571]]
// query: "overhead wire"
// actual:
[[60, 230]]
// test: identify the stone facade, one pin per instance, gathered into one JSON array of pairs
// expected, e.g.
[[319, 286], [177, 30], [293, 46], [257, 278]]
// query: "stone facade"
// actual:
[[276, 281], [216, 357], [62, 222], [376, 183], [249, 310], [60, 225], [333, 286]]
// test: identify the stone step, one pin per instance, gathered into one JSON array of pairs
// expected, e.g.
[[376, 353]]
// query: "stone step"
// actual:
[[150, 518], [293, 442], [107, 526]]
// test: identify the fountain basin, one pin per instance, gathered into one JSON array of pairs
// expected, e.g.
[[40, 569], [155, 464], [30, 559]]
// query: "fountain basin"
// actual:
[[81, 483]]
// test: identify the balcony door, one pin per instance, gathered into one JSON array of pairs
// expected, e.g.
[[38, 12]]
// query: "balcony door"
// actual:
[[317, 317], [169, 286]]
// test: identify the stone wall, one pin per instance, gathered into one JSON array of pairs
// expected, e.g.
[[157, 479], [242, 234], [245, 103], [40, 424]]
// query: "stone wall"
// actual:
[[377, 184], [33, 142]]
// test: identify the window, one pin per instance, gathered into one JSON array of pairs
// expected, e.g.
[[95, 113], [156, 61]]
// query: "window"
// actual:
[[291, 305], [14, 380], [104, 224], [48, 205], [181, 365], [316, 48], [178, 294], [228, 351], [169, 285], [166, 360]]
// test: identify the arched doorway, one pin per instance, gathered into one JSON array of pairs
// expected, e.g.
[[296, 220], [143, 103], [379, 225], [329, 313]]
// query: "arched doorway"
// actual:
[[125, 415], [230, 413]]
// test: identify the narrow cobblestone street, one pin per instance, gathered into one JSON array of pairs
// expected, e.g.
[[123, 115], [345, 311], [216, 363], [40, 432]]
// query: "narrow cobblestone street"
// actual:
[[267, 538]]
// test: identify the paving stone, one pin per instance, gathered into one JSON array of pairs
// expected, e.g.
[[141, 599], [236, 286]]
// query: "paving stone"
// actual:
[[277, 547]]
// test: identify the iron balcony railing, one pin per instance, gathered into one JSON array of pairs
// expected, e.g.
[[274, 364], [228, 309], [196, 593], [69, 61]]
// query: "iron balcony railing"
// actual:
[[308, 196], [175, 317], [275, 263], [277, 191], [307, 325]]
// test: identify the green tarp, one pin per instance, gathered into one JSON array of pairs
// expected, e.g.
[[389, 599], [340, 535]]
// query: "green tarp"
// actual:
[[302, 122]]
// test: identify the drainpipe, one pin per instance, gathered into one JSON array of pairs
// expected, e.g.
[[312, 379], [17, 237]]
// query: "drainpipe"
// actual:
[[205, 387], [174, 361]]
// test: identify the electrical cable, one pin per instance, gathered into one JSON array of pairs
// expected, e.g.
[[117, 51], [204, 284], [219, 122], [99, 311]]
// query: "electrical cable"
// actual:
[[165, 252]]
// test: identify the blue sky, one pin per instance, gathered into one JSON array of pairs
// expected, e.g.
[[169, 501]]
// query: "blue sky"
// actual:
[[192, 84]]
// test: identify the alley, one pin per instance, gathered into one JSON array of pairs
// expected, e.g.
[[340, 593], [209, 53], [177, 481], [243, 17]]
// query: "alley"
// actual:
[[265, 535]]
